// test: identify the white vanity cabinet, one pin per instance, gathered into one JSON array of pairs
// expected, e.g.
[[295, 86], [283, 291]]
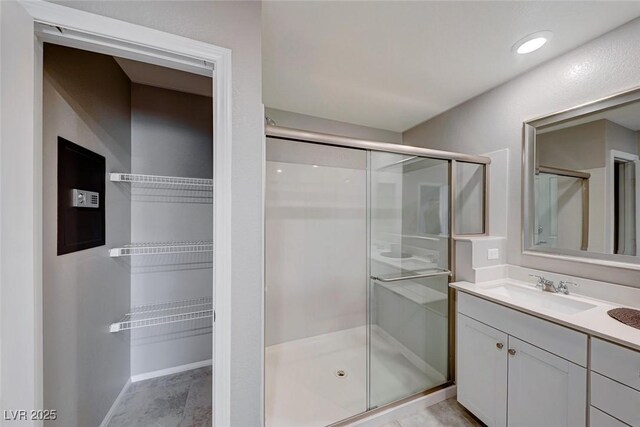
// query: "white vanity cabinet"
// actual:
[[482, 370], [518, 370], [615, 383]]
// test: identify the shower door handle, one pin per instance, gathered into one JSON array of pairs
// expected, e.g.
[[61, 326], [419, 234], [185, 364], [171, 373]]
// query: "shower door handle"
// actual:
[[416, 276]]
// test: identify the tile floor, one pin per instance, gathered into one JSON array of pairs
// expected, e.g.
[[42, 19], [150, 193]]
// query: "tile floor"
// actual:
[[178, 400], [444, 414]]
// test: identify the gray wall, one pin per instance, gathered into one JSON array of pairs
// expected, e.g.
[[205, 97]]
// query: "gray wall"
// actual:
[[86, 100], [171, 134], [493, 121], [293, 120], [578, 147], [235, 25], [621, 138]]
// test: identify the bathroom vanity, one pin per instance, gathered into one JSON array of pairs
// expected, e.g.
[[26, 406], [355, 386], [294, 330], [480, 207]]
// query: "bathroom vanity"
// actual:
[[531, 358]]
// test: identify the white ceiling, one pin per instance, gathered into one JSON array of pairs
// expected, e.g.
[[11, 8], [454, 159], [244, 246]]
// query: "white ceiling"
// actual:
[[394, 64], [166, 78]]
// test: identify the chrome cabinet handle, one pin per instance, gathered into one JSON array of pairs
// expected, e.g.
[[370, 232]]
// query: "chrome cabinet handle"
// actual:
[[499, 345], [511, 351]]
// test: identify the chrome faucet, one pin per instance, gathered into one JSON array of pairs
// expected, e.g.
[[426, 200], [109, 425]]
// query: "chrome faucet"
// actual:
[[545, 284], [562, 286], [548, 286]]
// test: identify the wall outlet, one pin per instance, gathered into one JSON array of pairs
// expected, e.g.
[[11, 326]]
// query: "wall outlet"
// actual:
[[493, 253]]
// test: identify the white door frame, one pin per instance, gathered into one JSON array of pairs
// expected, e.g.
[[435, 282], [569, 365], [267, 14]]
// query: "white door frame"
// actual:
[[21, 335], [610, 191]]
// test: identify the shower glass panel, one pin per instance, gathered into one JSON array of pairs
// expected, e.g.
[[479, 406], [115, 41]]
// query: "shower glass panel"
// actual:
[[409, 262], [347, 327], [316, 284], [559, 201]]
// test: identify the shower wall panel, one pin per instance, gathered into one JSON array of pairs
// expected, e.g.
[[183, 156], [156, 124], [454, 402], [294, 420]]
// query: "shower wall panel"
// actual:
[[316, 236]]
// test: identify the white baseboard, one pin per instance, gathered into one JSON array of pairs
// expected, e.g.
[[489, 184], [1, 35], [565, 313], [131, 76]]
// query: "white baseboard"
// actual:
[[406, 409], [115, 404], [169, 371]]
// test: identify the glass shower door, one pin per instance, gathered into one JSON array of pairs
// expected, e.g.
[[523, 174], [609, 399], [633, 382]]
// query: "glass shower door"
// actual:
[[316, 284], [409, 230]]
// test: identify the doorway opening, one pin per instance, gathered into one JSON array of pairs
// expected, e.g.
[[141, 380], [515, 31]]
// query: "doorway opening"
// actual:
[[137, 348], [23, 209]]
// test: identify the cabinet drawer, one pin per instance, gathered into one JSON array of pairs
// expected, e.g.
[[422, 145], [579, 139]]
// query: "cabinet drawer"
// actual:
[[616, 399], [600, 419], [556, 339], [616, 362]]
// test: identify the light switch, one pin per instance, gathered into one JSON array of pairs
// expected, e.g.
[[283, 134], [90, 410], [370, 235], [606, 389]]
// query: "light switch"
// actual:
[[493, 253]]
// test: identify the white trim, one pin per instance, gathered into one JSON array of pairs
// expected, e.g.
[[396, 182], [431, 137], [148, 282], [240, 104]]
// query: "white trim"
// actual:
[[25, 277], [112, 409], [125, 32], [222, 236], [263, 240], [107, 46], [583, 259], [20, 264], [406, 409], [170, 371], [1, 398]]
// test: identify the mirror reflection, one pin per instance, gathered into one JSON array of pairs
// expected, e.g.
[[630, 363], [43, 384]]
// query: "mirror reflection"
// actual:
[[585, 183]]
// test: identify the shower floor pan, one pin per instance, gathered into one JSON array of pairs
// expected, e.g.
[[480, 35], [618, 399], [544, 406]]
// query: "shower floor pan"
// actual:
[[321, 380]]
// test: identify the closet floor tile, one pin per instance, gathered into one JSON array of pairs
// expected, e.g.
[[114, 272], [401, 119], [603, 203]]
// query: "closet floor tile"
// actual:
[[197, 410], [180, 400]]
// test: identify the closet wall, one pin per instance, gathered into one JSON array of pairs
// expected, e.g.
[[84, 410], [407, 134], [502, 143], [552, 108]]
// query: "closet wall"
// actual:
[[171, 134], [87, 100]]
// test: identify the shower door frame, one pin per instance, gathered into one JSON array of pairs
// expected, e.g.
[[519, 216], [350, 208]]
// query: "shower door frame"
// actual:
[[303, 136]]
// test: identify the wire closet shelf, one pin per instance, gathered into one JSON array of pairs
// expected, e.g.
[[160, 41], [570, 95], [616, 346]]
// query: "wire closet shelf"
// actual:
[[201, 184], [161, 248], [148, 315]]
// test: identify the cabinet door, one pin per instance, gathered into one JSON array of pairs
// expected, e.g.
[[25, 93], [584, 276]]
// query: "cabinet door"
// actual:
[[544, 389], [482, 370]]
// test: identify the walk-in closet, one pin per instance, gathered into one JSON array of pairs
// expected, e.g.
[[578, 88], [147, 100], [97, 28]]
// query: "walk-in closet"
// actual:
[[127, 241]]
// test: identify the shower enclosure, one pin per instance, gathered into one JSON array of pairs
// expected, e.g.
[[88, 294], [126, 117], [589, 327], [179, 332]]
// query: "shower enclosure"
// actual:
[[358, 259]]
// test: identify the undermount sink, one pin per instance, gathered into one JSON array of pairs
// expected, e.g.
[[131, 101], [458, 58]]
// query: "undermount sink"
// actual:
[[535, 298]]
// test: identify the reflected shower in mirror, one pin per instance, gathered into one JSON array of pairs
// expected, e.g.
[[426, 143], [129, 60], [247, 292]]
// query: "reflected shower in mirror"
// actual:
[[583, 181]]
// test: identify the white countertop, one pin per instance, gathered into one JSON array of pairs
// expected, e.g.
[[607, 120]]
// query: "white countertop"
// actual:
[[594, 321]]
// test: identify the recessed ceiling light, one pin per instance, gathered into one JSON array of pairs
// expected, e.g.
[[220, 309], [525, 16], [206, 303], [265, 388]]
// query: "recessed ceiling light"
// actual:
[[315, 166], [279, 171], [532, 42]]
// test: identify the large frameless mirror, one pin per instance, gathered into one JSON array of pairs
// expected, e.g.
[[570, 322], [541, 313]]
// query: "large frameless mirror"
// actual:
[[581, 182]]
